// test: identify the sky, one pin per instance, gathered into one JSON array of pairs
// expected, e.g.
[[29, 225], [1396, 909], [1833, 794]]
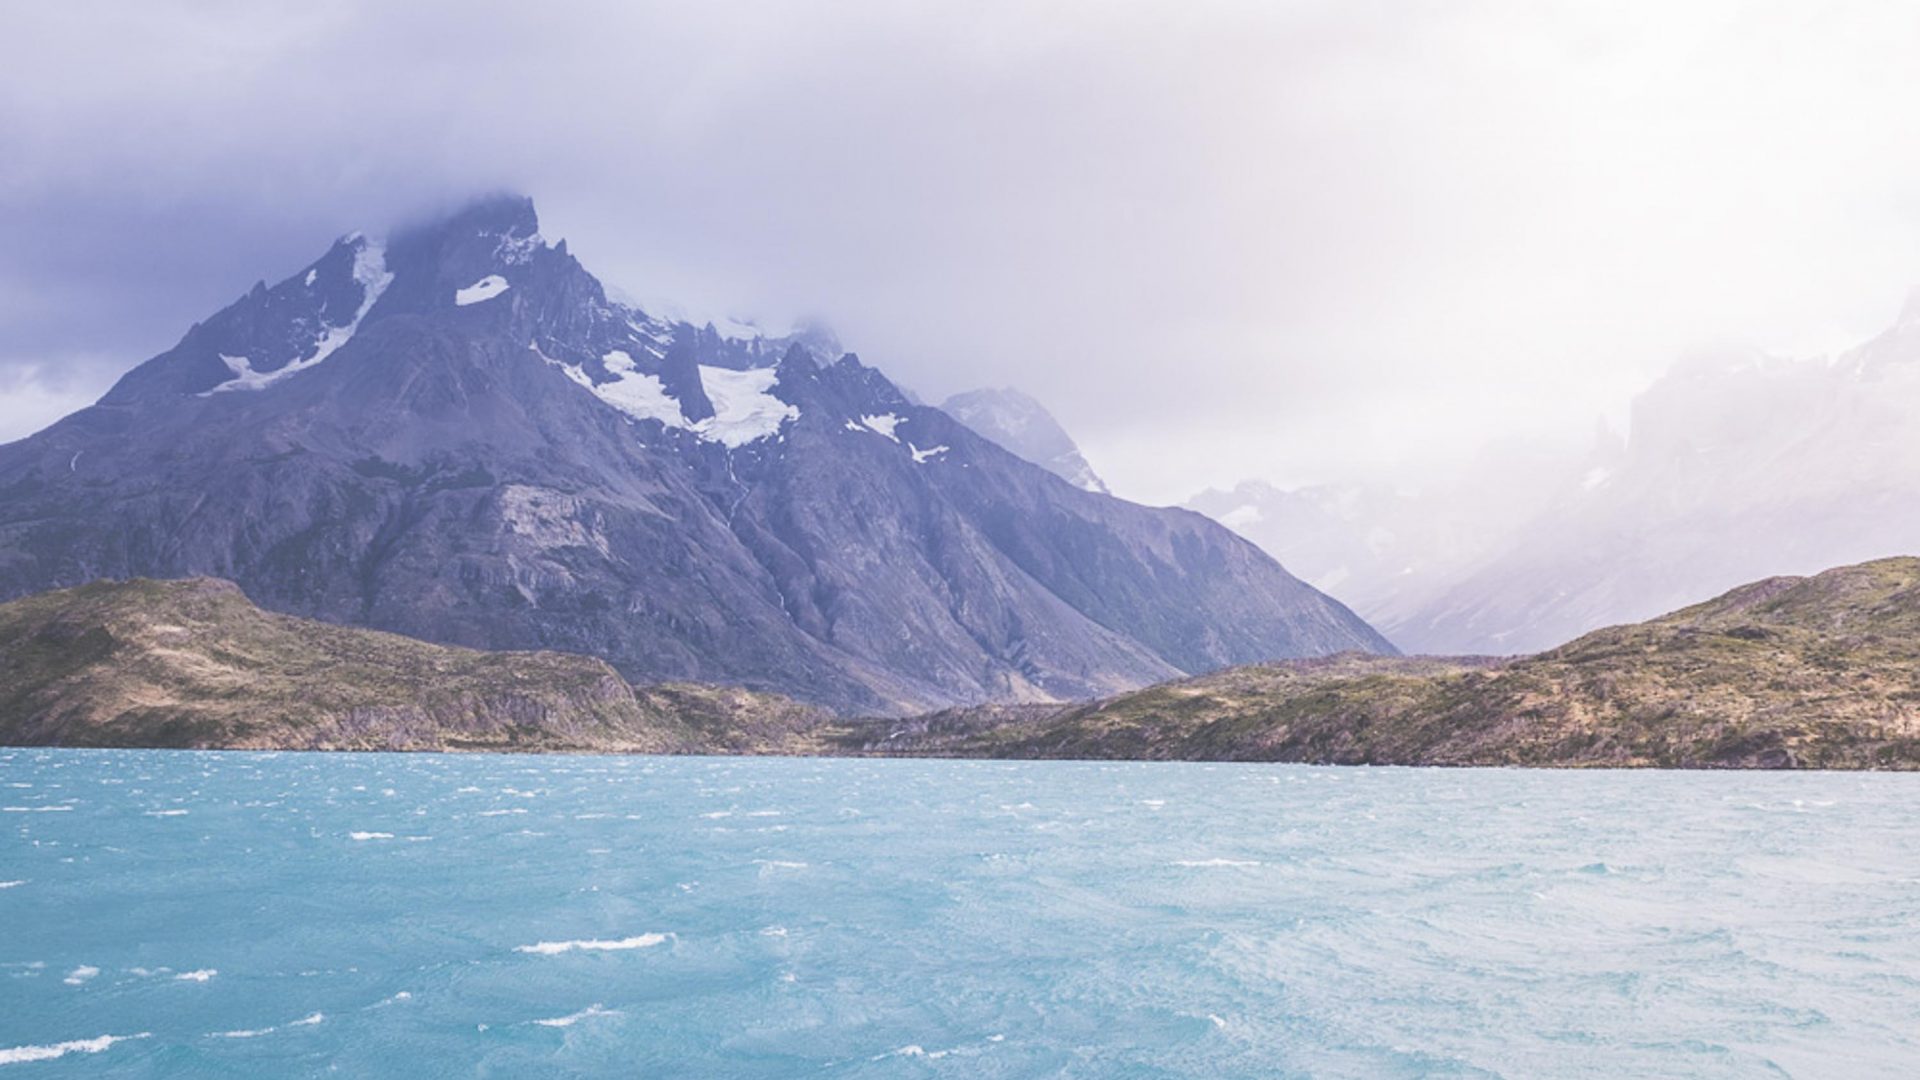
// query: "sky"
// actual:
[[1299, 241]]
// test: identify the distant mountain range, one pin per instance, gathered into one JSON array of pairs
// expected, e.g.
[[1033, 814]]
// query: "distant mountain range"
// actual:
[[1737, 466], [456, 435], [1024, 426]]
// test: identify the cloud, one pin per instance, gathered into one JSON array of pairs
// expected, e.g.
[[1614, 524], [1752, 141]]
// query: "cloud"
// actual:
[[1218, 239]]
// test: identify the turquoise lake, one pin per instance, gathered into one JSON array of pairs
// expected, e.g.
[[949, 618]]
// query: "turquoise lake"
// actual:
[[378, 915]]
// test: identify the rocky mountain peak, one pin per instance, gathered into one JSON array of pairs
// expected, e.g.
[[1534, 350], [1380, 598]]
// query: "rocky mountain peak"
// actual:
[[1023, 425], [456, 434]]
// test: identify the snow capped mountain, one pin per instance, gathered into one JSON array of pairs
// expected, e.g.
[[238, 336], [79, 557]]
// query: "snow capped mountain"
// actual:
[[459, 436], [1024, 426]]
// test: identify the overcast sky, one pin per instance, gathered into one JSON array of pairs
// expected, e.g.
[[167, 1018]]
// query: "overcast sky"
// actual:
[[1297, 241]]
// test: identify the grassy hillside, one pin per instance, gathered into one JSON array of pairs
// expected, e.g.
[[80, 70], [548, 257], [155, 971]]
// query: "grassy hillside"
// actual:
[[1820, 672], [194, 664]]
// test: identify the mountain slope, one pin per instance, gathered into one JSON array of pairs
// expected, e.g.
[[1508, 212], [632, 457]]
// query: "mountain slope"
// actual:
[[194, 664], [1820, 672], [1737, 466], [1024, 426], [456, 436]]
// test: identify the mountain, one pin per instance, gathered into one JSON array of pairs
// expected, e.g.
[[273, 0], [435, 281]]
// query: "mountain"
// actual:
[[1820, 672], [1387, 550], [193, 664], [1024, 426], [455, 435], [1737, 466]]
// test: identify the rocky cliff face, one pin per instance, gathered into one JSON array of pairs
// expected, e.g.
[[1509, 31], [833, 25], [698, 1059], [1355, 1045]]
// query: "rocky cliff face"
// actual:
[[457, 436]]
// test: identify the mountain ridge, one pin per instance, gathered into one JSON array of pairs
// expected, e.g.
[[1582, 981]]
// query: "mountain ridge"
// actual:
[[1785, 672]]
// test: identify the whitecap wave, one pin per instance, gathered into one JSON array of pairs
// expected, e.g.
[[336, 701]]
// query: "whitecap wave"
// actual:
[[370, 836], [1216, 862], [81, 974], [574, 1018], [18, 1054], [554, 948], [202, 975]]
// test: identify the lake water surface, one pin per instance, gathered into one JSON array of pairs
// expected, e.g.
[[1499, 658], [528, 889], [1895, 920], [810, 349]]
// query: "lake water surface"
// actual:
[[249, 915]]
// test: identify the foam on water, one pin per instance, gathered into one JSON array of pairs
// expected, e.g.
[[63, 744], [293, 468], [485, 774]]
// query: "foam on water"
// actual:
[[18, 1054], [554, 948], [573, 1018]]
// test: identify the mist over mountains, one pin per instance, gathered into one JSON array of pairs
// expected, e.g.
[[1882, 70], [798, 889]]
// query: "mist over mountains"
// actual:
[[456, 435], [1737, 466]]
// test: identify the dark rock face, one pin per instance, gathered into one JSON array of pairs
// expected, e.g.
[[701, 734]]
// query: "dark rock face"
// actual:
[[458, 437]]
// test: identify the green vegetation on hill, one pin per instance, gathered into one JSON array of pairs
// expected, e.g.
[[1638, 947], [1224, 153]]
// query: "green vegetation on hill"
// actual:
[[1820, 672], [194, 664]]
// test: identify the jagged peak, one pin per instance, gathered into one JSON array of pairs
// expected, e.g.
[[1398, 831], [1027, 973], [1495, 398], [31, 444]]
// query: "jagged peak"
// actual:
[[496, 214], [1910, 310]]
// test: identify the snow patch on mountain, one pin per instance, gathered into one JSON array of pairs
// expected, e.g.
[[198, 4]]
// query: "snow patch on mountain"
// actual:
[[921, 457], [481, 291], [637, 393], [634, 392], [370, 271], [518, 250], [883, 424], [744, 408]]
